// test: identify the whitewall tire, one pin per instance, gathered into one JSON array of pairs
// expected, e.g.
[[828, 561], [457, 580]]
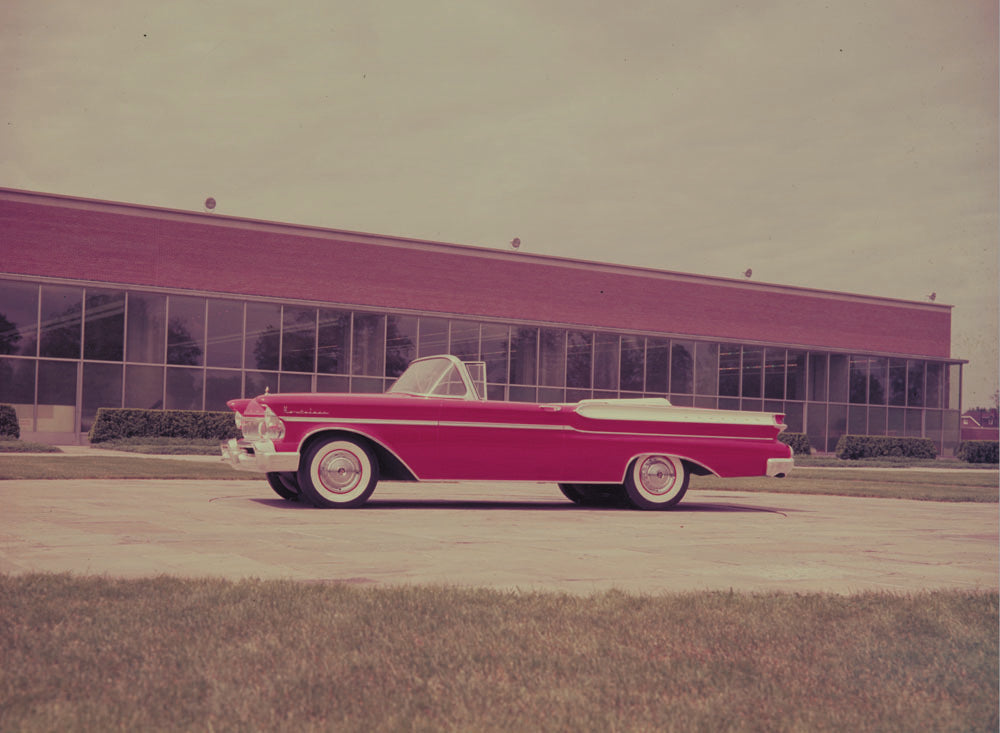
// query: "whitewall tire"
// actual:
[[338, 473], [656, 482]]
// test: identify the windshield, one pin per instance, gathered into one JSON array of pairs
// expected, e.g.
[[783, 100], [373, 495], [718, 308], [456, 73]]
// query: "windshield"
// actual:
[[421, 376]]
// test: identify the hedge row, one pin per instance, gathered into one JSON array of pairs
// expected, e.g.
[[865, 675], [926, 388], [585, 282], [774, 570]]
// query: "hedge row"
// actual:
[[798, 441], [9, 426], [114, 423], [979, 451], [875, 446]]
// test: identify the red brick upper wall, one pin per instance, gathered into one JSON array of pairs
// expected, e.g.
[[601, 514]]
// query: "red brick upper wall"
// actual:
[[79, 239]]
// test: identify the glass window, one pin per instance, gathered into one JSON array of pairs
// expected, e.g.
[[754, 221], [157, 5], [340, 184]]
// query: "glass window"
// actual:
[[796, 378], [185, 330], [102, 387], [61, 322], [144, 387], [753, 363], [953, 387], [838, 378], [338, 384], [706, 365], [552, 357], [895, 421], [633, 360], [897, 382], [465, 340], [579, 359], [257, 383], [793, 417], [878, 371], [774, 374], [657, 365], [184, 389], [298, 339], [400, 344], [857, 422], [17, 381], [224, 334], [606, 361], [335, 340], [146, 333], [876, 420], [681, 367], [494, 352], [818, 372], [18, 319], [523, 356], [433, 336], [104, 326], [932, 426], [816, 424], [294, 383], [368, 346], [933, 394], [263, 336], [367, 385], [222, 385], [859, 380], [56, 396], [836, 422], [729, 370], [915, 383], [914, 423]]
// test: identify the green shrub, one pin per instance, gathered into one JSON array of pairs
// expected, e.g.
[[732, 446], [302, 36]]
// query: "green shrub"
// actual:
[[9, 426], [852, 447], [978, 451], [116, 423], [798, 441]]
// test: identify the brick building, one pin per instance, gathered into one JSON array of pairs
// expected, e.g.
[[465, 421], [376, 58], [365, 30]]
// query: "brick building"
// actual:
[[108, 304]]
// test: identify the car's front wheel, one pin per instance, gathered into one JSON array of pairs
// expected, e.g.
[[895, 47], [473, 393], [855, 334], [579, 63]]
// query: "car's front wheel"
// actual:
[[285, 485], [338, 472], [656, 482], [594, 494]]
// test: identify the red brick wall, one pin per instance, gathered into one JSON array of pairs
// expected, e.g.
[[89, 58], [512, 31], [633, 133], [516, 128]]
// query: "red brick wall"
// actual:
[[78, 239]]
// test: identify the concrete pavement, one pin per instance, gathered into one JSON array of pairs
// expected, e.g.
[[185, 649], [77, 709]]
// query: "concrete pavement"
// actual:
[[523, 536]]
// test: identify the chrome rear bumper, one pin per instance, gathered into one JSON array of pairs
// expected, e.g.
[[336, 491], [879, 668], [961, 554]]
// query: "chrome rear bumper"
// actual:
[[779, 467], [258, 456]]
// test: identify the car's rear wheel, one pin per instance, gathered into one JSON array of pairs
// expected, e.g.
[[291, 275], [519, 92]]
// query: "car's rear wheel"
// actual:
[[656, 482], [338, 473], [593, 494], [285, 485]]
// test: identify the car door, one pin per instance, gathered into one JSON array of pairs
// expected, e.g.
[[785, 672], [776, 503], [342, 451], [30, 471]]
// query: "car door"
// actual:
[[501, 441]]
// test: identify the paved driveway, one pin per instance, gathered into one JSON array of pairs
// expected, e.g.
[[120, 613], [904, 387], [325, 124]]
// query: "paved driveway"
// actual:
[[522, 536]]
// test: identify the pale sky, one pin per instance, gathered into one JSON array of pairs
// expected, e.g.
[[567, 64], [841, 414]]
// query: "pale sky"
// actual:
[[847, 146]]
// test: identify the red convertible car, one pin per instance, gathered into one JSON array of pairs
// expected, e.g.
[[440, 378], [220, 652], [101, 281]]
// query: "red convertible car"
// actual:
[[435, 424]]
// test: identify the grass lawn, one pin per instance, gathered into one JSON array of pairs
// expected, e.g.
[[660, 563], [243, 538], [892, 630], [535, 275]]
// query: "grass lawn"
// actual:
[[26, 467], [174, 654]]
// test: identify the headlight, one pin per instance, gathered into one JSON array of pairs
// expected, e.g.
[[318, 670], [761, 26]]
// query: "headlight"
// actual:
[[239, 421], [273, 428]]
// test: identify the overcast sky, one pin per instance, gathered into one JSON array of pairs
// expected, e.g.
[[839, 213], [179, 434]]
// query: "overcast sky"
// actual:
[[846, 145]]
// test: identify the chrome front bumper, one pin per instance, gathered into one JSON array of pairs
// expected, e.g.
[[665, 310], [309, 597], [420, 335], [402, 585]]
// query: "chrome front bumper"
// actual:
[[259, 456], [778, 467]]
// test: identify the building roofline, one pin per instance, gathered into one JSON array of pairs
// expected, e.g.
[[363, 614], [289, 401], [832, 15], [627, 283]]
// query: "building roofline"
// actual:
[[213, 219]]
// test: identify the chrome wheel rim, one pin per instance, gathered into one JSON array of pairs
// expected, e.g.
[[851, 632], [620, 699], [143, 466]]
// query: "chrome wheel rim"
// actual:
[[340, 471], [657, 476]]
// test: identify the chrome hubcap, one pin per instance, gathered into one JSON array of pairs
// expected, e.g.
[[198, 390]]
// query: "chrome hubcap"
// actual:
[[657, 476], [340, 471]]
